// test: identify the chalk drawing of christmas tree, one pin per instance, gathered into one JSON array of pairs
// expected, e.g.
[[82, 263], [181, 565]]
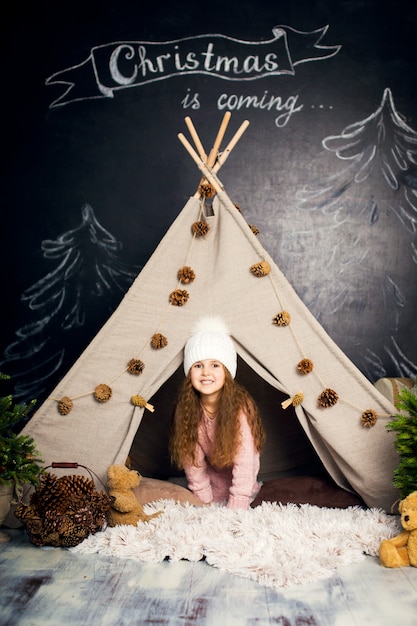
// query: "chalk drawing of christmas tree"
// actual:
[[362, 218], [79, 294]]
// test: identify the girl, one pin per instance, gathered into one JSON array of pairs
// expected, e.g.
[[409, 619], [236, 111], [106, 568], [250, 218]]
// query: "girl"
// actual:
[[217, 432]]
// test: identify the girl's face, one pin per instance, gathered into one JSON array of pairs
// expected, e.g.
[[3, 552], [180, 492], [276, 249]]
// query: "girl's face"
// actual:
[[207, 376]]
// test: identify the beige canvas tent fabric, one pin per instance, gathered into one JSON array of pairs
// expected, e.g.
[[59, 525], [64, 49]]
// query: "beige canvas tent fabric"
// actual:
[[98, 434]]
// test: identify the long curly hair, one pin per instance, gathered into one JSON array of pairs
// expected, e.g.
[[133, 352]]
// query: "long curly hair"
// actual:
[[184, 428]]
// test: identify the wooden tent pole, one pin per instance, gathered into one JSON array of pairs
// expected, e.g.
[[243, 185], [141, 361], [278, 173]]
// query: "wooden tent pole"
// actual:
[[225, 154], [196, 138], [215, 149], [207, 172], [210, 171]]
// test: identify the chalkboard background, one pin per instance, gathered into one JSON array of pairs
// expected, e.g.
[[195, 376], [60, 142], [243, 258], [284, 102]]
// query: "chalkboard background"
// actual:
[[90, 183]]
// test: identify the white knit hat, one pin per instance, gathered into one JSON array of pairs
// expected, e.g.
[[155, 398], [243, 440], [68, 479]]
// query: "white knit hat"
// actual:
[[210, 340]]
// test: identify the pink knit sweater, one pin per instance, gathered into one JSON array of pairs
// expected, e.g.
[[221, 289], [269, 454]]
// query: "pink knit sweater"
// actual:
[[236, 485]]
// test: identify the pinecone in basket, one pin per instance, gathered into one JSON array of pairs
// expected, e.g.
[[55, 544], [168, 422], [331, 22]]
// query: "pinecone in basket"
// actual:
[[64, 511]]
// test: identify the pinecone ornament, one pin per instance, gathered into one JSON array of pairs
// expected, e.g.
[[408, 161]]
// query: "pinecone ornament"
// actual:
[[283, 318], [103, 393], [158, 341], [369, 418], [305, 366], [260, 269], [135, 367], [327, 398], [206, 189], [186, 274], [179, 297], [65, 405], [200, 228]]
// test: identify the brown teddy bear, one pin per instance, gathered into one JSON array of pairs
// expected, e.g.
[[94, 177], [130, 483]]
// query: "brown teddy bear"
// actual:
[[401, 550], [125, 508]]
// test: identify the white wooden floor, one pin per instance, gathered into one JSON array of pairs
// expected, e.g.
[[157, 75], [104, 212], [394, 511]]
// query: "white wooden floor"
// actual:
[[54, 587]]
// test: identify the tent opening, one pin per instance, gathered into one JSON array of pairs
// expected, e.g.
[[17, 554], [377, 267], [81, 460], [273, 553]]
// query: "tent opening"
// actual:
[[287, 451]]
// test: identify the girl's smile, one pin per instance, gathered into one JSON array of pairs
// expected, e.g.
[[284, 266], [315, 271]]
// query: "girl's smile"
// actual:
[[207, 376]]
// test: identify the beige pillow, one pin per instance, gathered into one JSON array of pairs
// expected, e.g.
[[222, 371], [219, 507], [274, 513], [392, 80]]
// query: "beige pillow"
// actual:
[[152, 489]]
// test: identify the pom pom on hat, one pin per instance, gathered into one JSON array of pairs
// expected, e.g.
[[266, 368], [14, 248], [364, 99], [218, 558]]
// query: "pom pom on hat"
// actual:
[[210, 340]]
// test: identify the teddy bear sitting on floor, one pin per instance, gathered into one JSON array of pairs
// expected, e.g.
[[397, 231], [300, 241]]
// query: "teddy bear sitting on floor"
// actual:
[[125, 508], [401, 550]]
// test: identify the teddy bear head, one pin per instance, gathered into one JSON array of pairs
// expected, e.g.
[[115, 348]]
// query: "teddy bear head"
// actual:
[[121, 478], [408, 510]]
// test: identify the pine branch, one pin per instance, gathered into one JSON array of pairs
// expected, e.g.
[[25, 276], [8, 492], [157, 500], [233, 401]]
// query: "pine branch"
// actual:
[[404, 424]]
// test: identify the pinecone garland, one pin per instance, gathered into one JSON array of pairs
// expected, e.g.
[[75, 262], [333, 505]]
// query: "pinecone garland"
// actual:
[[369, 418], [260, 269], [135, 367], [283, 318], [327, 398], [65, 405], [206, 189], [305, 366], [158, 341], [186, 274], [179, 297], [200, 228], [102, 393]]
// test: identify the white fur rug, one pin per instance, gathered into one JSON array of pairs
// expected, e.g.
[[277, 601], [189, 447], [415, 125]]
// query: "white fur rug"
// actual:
[[273, 544]]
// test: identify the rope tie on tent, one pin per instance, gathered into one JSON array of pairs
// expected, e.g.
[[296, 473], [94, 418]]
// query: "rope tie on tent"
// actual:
[[296, 400], [141, 402]]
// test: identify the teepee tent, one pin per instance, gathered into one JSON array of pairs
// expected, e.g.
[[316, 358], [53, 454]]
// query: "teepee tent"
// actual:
[[211, 262]]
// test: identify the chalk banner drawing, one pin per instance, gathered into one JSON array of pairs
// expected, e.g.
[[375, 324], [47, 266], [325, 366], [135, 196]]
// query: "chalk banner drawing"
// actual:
[[124, 64]]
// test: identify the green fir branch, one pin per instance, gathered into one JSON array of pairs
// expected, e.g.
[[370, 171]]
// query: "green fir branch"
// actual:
[[404, 424], [19, 458]]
